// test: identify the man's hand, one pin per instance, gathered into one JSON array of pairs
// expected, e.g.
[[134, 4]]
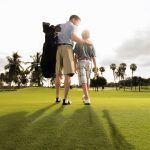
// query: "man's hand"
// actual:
[[88, 42]]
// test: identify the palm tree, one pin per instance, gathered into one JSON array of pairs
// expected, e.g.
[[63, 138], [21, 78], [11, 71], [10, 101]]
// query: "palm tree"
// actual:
[[35, 69], [133, 67], [2, 76], [113, 67], [120, 73], [23, 79], [52, 81], [123, 69], [14, 67], [102, 69]]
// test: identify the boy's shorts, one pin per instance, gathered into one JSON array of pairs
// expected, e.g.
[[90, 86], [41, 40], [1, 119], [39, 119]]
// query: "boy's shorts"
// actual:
[[65, 60], [84, 68]]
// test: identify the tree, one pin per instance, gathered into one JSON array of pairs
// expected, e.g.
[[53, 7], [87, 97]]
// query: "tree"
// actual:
[[35, 69], [98, 82], [2, 76], [52, 81], [23, 77], [123, 68], [120, 73], [94, 84], [133, 67], [135, 81], [102, 69], [14, 67], [113, 67], [101, 82]]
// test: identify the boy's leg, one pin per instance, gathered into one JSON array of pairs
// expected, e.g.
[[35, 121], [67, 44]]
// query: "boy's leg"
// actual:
[[85, 90], [82, 76]]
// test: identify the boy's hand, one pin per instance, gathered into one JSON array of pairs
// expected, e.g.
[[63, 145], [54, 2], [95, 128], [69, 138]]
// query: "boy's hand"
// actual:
[[96, 74], [76, 71]]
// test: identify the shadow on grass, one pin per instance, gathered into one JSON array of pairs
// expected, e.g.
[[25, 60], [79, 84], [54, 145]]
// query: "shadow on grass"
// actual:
[[11, 126], [14, 129], [59, 130], [118, 139], [32, 117], [84, 131]]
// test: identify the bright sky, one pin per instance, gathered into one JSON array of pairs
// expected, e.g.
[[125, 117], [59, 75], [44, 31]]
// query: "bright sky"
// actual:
[[120, 29]]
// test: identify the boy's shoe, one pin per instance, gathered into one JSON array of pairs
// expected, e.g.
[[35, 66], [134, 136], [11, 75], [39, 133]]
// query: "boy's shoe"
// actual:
[[58, 99], [66, 102], [83, 98], [86, 101]]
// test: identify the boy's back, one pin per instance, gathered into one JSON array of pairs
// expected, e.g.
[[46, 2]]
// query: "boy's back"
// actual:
[[84, 51]]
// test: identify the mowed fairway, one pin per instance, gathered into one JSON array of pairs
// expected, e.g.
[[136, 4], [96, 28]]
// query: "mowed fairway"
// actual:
[[116, 120]]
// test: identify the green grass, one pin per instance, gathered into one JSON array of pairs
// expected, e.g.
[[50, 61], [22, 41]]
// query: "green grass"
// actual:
[[116, 120]]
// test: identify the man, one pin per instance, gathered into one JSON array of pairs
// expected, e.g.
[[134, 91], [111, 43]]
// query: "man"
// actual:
[[64, 56]]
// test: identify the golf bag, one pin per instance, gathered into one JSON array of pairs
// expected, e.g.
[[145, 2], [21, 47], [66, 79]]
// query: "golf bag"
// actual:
[[48, 59]]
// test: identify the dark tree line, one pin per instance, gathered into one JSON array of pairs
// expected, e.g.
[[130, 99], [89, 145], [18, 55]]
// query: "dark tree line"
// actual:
[[17, 75]]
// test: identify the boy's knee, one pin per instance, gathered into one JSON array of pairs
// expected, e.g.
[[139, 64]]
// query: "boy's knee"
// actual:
[[83, 83]]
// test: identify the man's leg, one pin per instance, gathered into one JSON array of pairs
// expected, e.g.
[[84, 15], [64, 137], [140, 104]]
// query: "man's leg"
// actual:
[[67, 82], [57, 86]]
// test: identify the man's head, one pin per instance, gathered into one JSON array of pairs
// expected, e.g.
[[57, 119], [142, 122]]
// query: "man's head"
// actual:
[[85, 34], [75, 19]]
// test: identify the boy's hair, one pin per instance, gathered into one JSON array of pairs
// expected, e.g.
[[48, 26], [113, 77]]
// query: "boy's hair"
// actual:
[[85, 34], [75, 17]]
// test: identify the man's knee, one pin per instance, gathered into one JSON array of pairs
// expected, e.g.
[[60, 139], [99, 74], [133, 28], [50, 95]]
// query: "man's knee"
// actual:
[[70, 74], [57, 79]]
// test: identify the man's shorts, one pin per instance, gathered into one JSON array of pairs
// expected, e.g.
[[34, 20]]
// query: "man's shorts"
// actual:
[[84, 68], [64, 60]]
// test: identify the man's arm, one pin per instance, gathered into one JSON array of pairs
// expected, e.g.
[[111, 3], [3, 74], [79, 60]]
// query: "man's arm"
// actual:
[[75, 38], [75, 62]]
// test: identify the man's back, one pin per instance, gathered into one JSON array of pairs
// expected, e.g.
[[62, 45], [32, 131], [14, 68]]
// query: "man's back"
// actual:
[[65, 35]]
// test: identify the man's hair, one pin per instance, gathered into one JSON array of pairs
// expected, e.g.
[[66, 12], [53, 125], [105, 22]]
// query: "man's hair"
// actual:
[[75, 17]]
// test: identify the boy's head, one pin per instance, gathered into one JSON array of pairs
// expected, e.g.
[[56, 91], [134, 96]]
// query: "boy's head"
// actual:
[[85, 34]]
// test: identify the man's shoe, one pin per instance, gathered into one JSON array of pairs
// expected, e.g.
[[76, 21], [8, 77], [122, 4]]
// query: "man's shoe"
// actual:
[[58, 99], [66, 102]]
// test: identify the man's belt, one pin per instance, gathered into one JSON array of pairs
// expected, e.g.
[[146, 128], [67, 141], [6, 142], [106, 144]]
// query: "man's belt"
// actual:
[[64, 44]]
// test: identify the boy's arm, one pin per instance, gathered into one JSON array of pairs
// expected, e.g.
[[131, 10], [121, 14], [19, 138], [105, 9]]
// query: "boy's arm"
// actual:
[[94, 62], [95, 66]]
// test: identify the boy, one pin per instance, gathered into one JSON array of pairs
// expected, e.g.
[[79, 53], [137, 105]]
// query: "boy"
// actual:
[[84, 55]]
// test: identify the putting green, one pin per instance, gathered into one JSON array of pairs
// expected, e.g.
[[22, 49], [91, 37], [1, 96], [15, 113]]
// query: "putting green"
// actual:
[[30, 120]]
